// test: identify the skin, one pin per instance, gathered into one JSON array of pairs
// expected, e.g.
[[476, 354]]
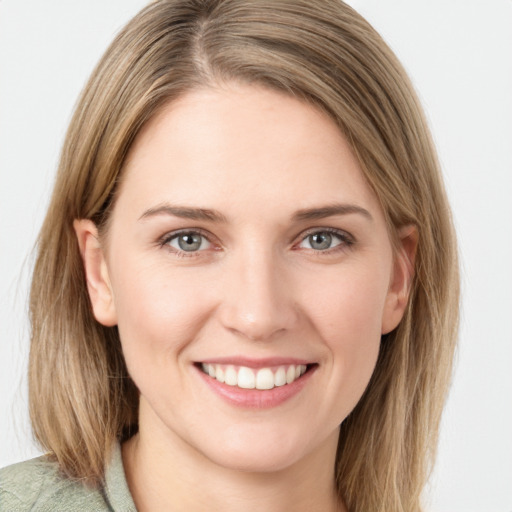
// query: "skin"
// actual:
[[256, 288]]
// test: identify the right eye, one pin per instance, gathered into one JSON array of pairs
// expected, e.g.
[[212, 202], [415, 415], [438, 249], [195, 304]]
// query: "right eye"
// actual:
[[189, 241]]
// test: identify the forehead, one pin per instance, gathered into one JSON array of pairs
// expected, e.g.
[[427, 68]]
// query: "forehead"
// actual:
[[242, 145]]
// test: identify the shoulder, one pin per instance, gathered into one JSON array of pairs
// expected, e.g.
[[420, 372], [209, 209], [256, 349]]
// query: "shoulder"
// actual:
[[38, 485]]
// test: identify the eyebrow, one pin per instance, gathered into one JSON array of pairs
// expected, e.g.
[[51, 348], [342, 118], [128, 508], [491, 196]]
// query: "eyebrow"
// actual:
[[185, 212], [207, 214], [330, 211]]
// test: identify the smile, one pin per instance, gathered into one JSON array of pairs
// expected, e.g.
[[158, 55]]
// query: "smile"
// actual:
[[256, 384], [251, 378]]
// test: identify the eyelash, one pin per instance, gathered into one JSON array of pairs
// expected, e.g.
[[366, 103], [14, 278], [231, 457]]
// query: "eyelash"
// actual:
[[168, 237], [346, 241]]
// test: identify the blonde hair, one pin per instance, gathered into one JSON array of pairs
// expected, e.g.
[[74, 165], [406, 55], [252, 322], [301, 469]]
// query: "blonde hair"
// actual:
[[81, 398]]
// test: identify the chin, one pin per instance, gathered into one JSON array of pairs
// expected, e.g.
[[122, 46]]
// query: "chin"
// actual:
[[257, 453], [267, 461]]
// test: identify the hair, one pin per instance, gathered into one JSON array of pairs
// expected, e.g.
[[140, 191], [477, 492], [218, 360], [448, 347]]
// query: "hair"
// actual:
[[82, 399]]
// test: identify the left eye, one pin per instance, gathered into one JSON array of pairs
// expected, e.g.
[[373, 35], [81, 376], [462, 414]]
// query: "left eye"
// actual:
[[189, 242], [321, 241]]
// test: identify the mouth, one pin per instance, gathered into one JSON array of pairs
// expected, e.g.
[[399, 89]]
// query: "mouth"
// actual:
[[263, 378]]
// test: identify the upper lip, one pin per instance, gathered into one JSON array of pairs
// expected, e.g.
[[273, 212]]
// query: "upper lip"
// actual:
[[257, 363]]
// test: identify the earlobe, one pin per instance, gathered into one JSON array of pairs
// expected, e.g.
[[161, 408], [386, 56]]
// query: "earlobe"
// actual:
[[401, 279], [96, 272]]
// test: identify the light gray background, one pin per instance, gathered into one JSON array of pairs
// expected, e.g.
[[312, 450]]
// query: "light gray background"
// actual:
[[459, 54]]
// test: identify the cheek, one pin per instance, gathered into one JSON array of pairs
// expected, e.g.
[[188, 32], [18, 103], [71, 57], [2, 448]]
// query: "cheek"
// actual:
[[348, 317], [158, 313], [349, 308]]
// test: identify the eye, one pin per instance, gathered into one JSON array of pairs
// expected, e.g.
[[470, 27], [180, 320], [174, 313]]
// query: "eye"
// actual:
[[189, 241], [324, 240]]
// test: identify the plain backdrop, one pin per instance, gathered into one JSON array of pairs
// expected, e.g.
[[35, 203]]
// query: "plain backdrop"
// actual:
[[459, 55]]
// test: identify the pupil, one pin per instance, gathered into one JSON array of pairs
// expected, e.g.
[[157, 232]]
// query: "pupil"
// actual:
[[189, 242], [320, 241]]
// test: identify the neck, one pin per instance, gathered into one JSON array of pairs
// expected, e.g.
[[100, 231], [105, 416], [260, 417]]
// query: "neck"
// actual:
[[165, 473]]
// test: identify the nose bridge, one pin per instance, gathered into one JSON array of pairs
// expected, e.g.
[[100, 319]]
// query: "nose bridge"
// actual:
[[258, 302]]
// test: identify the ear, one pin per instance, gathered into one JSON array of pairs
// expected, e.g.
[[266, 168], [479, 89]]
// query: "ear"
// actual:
[[401, 279], [96, 272]]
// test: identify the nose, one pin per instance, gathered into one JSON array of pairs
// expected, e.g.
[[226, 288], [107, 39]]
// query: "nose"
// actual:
[[258, 300]]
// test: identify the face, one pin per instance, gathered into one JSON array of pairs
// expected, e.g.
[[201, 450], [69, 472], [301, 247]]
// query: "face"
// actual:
[[251, 275]]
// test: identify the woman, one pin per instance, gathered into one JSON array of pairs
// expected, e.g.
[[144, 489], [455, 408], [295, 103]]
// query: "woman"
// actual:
[[246, 289]]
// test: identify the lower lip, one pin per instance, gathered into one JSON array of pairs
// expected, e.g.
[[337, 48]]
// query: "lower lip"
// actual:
[[255, 398]]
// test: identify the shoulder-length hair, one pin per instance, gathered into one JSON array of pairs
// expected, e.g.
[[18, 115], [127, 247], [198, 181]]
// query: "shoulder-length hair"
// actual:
[[82, 399]]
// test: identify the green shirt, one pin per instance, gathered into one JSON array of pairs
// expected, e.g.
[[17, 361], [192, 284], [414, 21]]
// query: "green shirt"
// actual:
[[37, 485]]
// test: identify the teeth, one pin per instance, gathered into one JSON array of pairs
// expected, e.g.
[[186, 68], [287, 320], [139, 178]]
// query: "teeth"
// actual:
[[220, 374], [264, 379], [230, 377], [280, 377], [248, 378]]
